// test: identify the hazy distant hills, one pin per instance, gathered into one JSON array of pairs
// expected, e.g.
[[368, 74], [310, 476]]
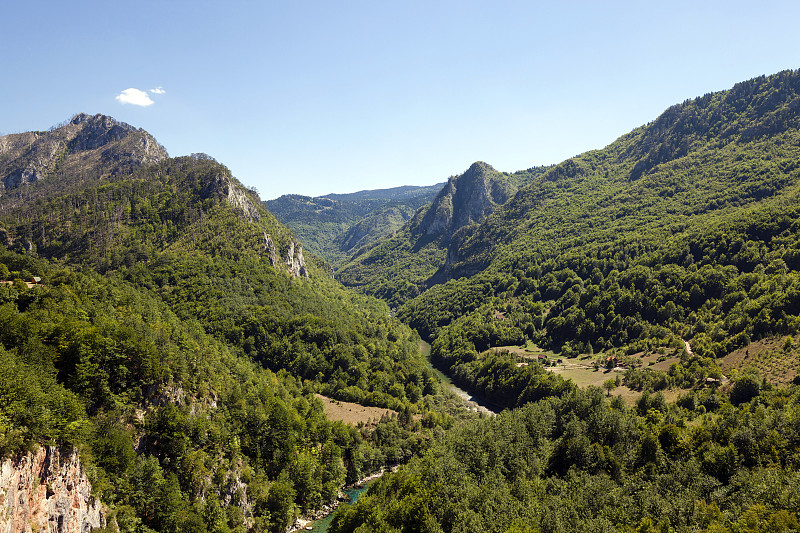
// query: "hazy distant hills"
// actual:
[[335, 225]]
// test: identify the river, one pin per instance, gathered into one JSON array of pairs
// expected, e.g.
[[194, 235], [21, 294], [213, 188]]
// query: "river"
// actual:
[[473, 402], [322, 525]]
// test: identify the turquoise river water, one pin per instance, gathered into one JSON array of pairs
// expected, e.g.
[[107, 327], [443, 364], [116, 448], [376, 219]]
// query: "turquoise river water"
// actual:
[[321, 526]]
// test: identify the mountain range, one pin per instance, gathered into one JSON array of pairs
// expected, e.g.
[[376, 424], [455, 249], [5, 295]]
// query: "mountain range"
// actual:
[[173, 344], [178, 337], [335, 225]]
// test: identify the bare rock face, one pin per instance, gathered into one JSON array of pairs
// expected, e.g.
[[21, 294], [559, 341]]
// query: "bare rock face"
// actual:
[[234, 194], [466, 199], [270, 249], [47, 491], [295, 261], [239, 199], [299, 268], [84, 143]]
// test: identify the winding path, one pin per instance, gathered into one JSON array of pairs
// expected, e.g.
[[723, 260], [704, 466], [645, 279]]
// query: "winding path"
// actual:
[[688, 348]]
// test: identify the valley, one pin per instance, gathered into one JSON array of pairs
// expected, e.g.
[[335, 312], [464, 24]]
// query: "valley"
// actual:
[[611, 343]]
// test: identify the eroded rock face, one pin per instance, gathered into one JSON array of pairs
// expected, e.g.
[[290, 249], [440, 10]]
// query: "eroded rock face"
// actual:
[[234, 194], [82, 144], [466, 199], [270, 249], [299, 267], [295, 261], [47, 491]]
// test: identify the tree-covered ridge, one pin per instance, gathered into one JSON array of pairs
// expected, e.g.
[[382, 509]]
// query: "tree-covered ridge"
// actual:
[[580, 463], [178, 432], [187, 230], [594, 256], [143, 213], [420, 254], [333, 226], [713, 154]]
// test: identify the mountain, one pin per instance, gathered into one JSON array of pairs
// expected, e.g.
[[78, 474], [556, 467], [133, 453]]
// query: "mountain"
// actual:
[[179, 336], [678, 244], [92, 147], [419, 255], [187, 230], [335, 225], [682, 233]]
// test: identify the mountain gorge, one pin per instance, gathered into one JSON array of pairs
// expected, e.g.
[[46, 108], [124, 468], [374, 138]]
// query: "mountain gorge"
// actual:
[[178, 339], [420, 254], [677, 243], [337, 224], [159, 322]]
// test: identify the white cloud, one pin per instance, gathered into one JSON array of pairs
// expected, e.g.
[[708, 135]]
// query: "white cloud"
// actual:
[[158, 90], [134, 97]]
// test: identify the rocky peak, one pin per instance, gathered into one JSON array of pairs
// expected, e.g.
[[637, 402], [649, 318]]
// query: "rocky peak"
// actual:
[[85, 142], [80, 118], [466, 199], [98, 130]]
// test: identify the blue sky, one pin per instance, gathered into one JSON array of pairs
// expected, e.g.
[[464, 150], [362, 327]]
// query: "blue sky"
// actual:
[[316, 97]]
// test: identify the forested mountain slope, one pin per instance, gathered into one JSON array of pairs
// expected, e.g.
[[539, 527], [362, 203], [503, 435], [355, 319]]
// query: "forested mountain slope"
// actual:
[[580, 463], [399, 267], [177, 431], [684, 230], [335, 225], [186, 229], [178, 341]]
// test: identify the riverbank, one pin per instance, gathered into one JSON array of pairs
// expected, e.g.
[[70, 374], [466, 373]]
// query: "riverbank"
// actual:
[[473, 402], [349, 493]]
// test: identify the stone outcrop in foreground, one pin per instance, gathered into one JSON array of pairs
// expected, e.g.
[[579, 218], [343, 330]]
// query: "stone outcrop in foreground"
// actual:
[[47, 491]]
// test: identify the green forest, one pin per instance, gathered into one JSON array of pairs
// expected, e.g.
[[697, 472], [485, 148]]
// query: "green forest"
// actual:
[[172, 423], [157, 317], [164, 344], [578, 462]]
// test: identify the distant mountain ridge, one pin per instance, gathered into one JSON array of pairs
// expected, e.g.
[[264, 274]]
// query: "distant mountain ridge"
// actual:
[[335, 225]]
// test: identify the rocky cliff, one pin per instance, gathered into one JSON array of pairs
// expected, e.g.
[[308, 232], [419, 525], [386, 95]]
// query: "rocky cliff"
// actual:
[[47, 491], [466, 199], [295, 260], [75, 147]]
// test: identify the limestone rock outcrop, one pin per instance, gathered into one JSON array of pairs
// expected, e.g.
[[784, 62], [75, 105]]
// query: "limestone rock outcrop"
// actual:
[[73, 147], [225, 186], [270, 249], [295, 260], [466, 199], [47, 491]]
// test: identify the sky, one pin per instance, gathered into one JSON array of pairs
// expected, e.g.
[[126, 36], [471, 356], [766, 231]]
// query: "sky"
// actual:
[[313, 97]]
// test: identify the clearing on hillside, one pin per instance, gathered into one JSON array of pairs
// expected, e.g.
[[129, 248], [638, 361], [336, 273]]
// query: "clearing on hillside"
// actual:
[[775, 358], [353, 413]]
